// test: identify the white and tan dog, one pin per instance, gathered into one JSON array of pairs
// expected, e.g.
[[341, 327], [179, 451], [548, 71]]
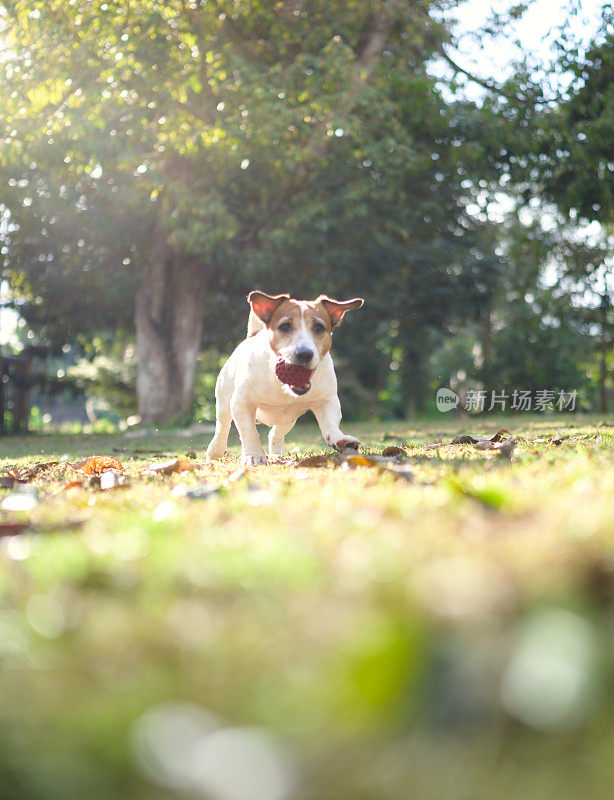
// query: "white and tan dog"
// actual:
[[281, 370]]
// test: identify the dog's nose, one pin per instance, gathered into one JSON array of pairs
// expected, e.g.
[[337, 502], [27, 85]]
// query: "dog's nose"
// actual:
[[303, 355]]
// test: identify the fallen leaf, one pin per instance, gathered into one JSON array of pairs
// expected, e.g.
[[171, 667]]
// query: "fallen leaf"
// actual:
[[42, 466], [480, 441], [363, 461], [559, 439], [495, 442], [393, 450], [176, 465], [71, 485], [26, 474], [320, 460], [464, 439], [97, 464], [506, 448], [399, 472], [499, 434]]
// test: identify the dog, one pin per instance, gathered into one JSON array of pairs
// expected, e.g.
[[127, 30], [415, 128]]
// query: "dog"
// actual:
[[281, 370]]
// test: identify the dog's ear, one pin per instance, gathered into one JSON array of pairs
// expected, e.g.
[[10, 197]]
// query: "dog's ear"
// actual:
[[265, 305], [337, 308]]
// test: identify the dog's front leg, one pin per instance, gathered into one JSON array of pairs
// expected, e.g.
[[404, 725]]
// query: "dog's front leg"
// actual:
[[223, 416], [244, 416], [328, 416], [276, 438]]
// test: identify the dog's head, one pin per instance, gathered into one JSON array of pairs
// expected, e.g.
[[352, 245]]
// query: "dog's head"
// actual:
[[300, 331]]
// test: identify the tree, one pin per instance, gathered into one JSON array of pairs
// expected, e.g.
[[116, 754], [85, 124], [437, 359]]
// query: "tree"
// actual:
[[577, 173], [183, 152], [123, 114], [547, 141], [541, 336]]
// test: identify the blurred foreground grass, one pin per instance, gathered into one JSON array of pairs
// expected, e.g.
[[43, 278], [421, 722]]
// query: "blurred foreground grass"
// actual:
[[315, 634]]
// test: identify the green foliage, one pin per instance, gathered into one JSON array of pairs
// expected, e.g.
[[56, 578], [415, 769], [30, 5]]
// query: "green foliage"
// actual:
[[271, 146], [107, 377], [578, 137]]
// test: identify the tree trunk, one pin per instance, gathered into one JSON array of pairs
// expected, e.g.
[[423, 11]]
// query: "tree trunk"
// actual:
[[169, 310], [603, 360], [413, 380], [487, 344]]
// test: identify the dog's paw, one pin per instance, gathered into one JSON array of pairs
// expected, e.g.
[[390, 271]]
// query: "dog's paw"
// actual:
[[215, 453], [347, 443], [251, 460]]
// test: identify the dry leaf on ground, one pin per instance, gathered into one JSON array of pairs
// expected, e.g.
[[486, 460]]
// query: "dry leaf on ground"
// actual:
[[506, 448], [383, 465], [393, 450], [27, 473], [480, 440], [71, 485], [97, 464], [320, 460], [464, 439], [176, 465]]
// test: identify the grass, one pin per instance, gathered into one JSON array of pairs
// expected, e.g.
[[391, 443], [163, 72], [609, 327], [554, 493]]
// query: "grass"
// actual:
[[351, 635]]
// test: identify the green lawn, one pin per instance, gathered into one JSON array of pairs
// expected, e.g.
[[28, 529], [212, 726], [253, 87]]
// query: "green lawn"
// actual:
[[313, 634]]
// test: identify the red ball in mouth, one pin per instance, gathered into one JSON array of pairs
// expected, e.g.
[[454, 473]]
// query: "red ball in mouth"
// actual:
[[294, 375]]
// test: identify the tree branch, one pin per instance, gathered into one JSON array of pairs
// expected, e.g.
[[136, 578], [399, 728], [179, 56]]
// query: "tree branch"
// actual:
[[491, 86], [373, 41]]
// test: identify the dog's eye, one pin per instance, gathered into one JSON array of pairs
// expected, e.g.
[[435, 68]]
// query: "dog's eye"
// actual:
[[318, 327], [285, 327]]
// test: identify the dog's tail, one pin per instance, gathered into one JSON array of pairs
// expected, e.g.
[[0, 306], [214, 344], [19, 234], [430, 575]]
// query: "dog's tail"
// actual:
[[254, 324]]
